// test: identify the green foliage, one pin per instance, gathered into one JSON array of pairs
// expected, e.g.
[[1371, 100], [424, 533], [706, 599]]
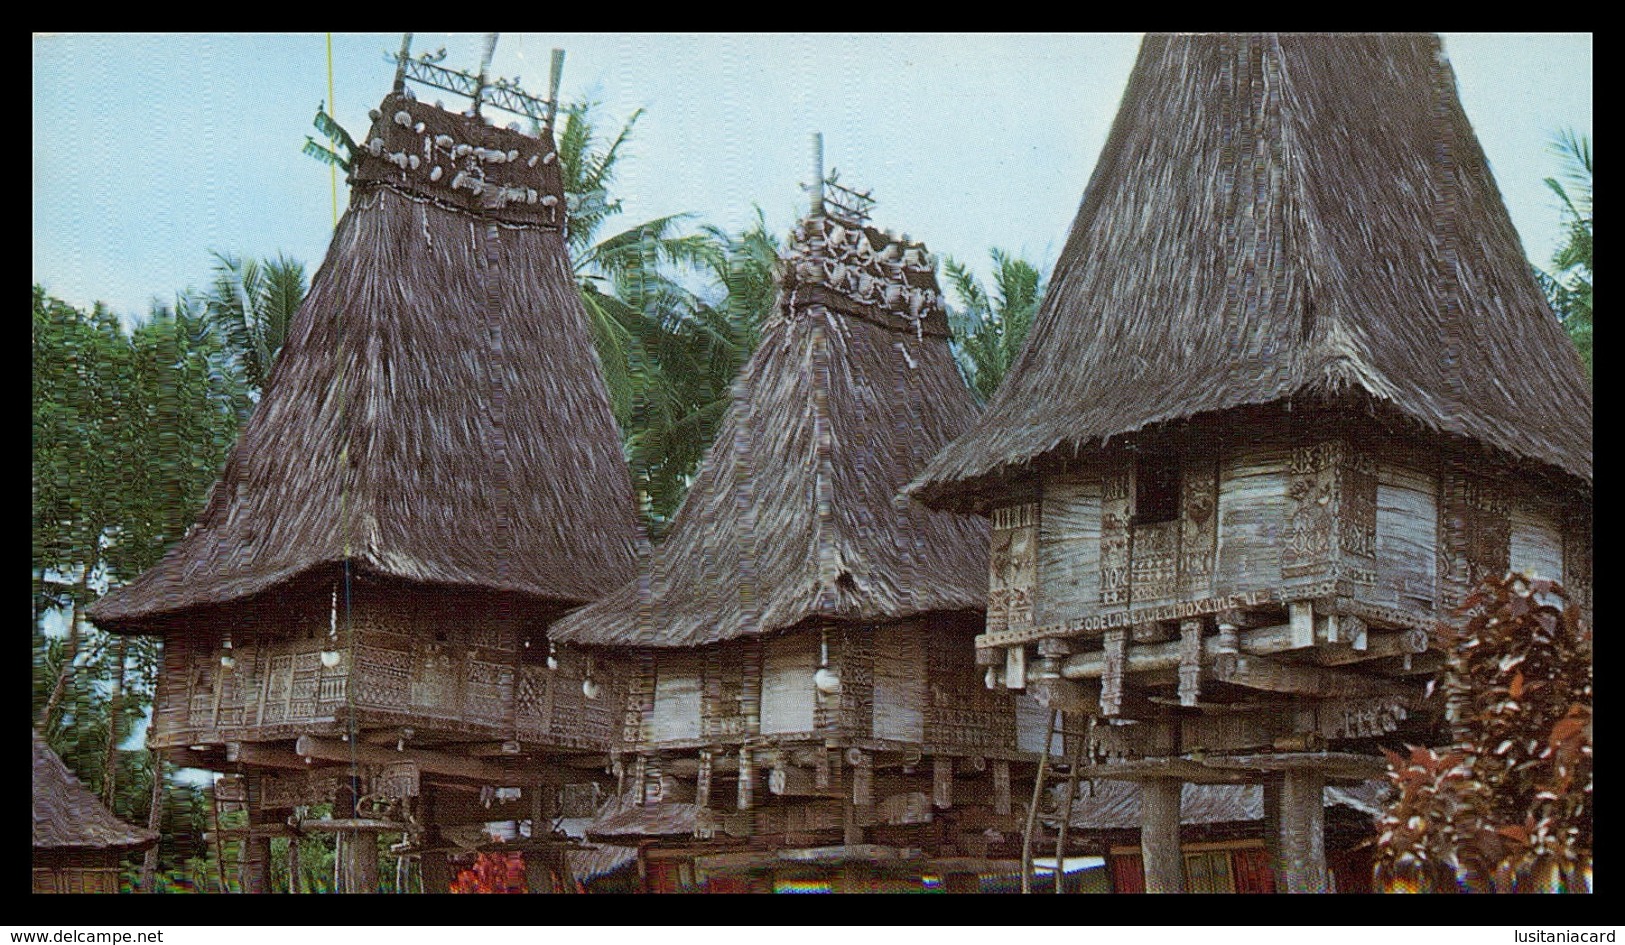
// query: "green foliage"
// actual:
[[340, 151], [988, 330], [1568, 284], [249, 307], [1507, 807]]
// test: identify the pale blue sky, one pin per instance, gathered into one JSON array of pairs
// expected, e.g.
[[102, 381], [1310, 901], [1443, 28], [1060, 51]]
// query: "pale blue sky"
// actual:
[[150, 151]]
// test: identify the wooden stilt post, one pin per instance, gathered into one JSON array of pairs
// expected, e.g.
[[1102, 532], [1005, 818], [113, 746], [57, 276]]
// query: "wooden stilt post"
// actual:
[[356, 852], [1159, 835], [1303, 832], [1272, 831], [436, 870]]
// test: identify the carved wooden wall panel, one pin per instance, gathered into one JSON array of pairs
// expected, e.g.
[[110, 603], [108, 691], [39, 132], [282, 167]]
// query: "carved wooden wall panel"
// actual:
[[1116, 511], [1252, 519], [1013, 567], [1069, 549], [857, 680], [677, 696], [1357, 517], [1535, 541], [1154, 563], [788, 663], [1311, 513], [899, 682], [1476, 532], [1199, 526], [1407, 536]]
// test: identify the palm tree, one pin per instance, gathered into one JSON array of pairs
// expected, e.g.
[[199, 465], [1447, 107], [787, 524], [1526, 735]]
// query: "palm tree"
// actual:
[[250, 306], [988, 330], [692, 354], [1568, 285]]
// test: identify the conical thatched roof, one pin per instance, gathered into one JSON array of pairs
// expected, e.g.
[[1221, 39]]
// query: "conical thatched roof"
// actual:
[[437, 413], [794, 514], [68, 817], [1284, 215]]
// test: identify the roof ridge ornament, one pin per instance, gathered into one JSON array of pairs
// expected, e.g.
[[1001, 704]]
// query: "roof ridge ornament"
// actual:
[[502, 93]]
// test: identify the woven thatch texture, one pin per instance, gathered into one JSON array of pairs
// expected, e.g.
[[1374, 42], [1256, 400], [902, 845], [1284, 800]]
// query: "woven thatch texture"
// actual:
[[437, 415], [794, 514], [1278, 215], [623, 820], [1115, 805], [68, 817]]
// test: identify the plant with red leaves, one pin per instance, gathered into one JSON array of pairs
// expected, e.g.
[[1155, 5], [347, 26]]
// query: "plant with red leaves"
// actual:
[[1508, 807], [493, 873]]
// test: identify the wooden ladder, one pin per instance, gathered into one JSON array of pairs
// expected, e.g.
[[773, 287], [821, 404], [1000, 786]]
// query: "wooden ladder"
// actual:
[[222, 804], [1045, 766]]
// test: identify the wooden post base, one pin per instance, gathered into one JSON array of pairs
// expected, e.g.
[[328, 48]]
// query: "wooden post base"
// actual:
[[1159, 835], [1303, 832]]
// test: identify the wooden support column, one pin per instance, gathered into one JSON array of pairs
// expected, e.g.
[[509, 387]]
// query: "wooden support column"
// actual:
[[254, 869], [747, 781], [1159, 835], [436, 870], [1303, 831], [1272, 830], [942, 781], [1001, 787], [1111, 680], [702, 780], [355, 851], [860, 809], [1190, 661]]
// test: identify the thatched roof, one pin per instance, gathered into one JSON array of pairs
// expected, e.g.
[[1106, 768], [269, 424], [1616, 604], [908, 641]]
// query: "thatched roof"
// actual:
[[1279, 216], [623, 821], [437, 413], [1115, 805], [67, 817], [794, 513]]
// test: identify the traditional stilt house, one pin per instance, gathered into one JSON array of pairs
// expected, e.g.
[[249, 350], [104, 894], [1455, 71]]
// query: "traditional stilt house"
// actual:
[[432, 476], [78, 843], [802, 699], [1291, 392]]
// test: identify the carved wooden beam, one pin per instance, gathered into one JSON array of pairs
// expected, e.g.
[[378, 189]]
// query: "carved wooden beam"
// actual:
[[1378, 645], [942, 781], [1263, 641], [1273, 676], [257, 755], [1001, 787], [433, 762]]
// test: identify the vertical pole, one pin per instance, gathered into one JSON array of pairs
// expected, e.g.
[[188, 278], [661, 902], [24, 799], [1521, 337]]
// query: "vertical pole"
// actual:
[[1303, 832], [1272, 831], [1159, 835], [400, 65], [818, 174], [295, 877], [554, 76]]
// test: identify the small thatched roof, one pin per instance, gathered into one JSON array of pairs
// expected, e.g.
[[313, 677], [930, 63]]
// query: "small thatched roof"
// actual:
[[623, 821], [794, 514], [1115, 805], [438, 413], [1279, 216], [67, 817]]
